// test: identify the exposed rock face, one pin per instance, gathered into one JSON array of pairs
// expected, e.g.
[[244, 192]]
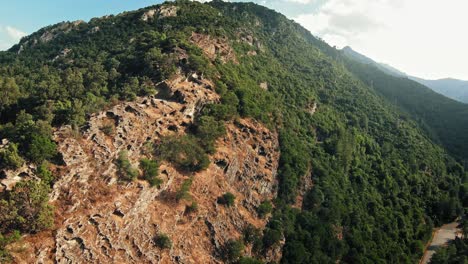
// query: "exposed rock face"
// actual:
[[101, 220], [161, 12], [49, 34], [65, 27], [9, 177], [214, 47]]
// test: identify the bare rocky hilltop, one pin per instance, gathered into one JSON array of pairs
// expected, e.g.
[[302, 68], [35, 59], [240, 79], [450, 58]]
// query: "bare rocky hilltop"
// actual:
[[99, 219]]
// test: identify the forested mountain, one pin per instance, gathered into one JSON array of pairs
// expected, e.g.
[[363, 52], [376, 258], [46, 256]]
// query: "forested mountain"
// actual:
[[451, 88], [352, 169], [349, 52], [445, 120]]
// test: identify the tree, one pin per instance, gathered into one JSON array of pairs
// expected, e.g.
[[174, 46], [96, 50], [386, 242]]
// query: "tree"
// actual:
[[233, 250], [10, 158], [41, 148], [27, 208], [9, 92], [184, 152], [126, 170], [264, 208], [150, 170]]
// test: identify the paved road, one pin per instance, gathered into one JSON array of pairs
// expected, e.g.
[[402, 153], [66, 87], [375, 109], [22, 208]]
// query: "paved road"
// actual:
[[444, 234]]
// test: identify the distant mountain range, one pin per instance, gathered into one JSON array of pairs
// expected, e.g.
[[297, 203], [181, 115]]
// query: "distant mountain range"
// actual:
[[451, 88]]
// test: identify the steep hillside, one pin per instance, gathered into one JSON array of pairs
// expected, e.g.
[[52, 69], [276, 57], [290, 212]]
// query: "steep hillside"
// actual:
[[443, 119], [209, 133], [452, 88]]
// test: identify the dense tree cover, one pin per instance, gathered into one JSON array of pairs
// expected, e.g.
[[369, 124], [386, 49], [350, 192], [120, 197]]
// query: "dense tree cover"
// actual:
[[380, 183], [443, 119]]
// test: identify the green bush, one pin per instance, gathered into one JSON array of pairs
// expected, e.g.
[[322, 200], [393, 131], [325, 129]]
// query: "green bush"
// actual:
[[271, 237], [193, 207], [227, 199], [108, 129], [162, 241], [184, 152], [233, 250], [26, 208], [126, 170], [150, 170], [44, 173], [183, 192], [249, 260], [208, 130], [5, 256], [9, 157], [264, 208]]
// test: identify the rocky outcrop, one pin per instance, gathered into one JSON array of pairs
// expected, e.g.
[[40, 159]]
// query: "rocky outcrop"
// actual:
[[65, 27], [9, 177], [214, 47], [102, 220], [161, 12]]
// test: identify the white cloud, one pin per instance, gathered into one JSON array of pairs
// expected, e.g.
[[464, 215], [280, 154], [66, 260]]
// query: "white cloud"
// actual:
[[9, 36], [304, 2], [421, 37], [14, 33]]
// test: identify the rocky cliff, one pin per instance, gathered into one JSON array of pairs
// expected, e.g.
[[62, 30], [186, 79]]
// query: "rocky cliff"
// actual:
[[100, 219]]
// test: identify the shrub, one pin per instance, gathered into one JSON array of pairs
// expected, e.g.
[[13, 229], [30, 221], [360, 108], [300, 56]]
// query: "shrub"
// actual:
[[150, 170], [108, 129], [208, 130], [5, 256], [162, 241], [191, 208], [227, 199], [264, 208], [233, 250], [184, 152], [26, 208], [126, 170], [44, 173], [9, 157], [182, 193], [271, 237], [41, 148]]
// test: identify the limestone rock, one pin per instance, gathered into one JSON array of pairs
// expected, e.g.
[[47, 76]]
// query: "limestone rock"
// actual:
[[102, 220]]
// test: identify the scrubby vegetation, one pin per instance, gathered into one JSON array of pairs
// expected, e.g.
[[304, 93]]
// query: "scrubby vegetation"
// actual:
[[233, 250], [264, 208], [126, 171], [184, 152], [162, 241], [150, 170], [183, 192], [227, 199], [380, 182]]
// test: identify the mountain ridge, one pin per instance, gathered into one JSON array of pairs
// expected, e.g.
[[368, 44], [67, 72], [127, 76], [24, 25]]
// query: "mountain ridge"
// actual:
[[450, 87], [168, 101]]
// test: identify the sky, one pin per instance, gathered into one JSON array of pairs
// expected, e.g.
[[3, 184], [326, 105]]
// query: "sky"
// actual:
[[423, 38]]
